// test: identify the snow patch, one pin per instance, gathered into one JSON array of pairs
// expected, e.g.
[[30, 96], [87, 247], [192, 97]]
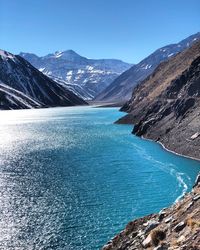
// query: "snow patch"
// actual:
[[58, 54], [5, 54], [146, 66], [170, 55], [89, 67], [70, 73], [41, 69]]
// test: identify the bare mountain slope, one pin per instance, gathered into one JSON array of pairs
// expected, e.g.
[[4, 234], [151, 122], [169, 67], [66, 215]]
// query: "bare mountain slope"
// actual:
[[166, 106], [121, 88], [85, 77], [25, 81]]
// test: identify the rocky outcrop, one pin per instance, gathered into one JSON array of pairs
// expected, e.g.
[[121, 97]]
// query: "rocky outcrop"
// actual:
[[165, 107], [173, 228]]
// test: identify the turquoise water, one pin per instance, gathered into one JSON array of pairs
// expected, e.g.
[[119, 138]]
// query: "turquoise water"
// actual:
[[71, 179]]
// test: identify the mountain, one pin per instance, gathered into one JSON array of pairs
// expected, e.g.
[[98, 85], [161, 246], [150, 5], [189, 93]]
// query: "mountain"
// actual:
[[23, 86], [13, 99], [165, 107], [121, 88], [85, 77]]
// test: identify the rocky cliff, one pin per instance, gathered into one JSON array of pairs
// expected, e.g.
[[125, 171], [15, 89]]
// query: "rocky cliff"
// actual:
[[173, 228], [165, 106]]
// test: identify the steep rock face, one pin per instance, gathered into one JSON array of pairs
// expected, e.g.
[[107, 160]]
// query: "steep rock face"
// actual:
[[165, 107], [121, 88], [30, 86], [174, 228], [85, 77], [13, 99]]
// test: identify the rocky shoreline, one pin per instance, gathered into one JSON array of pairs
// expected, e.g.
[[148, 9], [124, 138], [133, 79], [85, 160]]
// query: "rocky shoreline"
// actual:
[[173, 228], [165, 108]]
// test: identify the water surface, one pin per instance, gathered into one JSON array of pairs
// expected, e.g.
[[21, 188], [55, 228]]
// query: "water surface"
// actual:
[[71, 179]]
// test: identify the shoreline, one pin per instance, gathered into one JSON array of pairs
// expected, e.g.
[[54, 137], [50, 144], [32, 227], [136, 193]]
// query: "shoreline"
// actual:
[[177, 154], [173, 152], [174, 222], [135, 235], [169, 150], [178, 224]]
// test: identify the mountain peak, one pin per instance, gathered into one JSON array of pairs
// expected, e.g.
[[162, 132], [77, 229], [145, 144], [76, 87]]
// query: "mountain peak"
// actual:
[[121, 88], [4, 54], [69, 55], [70, 52]]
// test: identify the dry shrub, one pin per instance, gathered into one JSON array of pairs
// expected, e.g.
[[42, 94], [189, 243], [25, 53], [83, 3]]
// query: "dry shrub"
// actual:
[[192, 223], [157, 236]]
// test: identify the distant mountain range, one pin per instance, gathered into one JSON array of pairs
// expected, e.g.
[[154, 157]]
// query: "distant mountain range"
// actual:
[[85, 77], [23, 86], [121, 88]]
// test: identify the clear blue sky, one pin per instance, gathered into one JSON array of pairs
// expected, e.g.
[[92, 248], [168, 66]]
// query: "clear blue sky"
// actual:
[[125, 29]]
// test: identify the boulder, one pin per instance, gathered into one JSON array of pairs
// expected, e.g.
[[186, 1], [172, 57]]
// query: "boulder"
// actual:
[[151, 226], [180, 226], [147, 242], [197, 181]]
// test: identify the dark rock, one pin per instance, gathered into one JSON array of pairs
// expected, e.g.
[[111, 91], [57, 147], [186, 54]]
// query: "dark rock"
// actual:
[[189, 205], [161, 247], [151, 226], [180, 226], [197, 181], [162, 214], [183, 106], [168, 219], [197, 197], [169, 112]]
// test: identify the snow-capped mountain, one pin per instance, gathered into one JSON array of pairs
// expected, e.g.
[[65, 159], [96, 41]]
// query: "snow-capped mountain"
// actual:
[[23, 86], [121, 88], [85, 77]]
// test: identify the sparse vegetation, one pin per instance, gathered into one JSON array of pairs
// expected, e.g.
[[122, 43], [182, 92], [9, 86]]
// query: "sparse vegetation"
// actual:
[[157, 236], [192, 223]]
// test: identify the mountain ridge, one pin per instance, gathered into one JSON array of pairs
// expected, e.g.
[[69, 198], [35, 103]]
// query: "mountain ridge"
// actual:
[[121, 88], [23, 86], [72, 69], [166, 101]]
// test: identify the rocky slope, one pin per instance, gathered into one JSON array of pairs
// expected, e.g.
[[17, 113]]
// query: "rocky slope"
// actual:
[[165, 107], [23, 86], [85, 77], [13, 99], [174, 228], [121, 88]]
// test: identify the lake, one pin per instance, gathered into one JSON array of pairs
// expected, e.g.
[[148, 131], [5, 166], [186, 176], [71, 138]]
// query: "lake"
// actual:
[[71, 179]]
